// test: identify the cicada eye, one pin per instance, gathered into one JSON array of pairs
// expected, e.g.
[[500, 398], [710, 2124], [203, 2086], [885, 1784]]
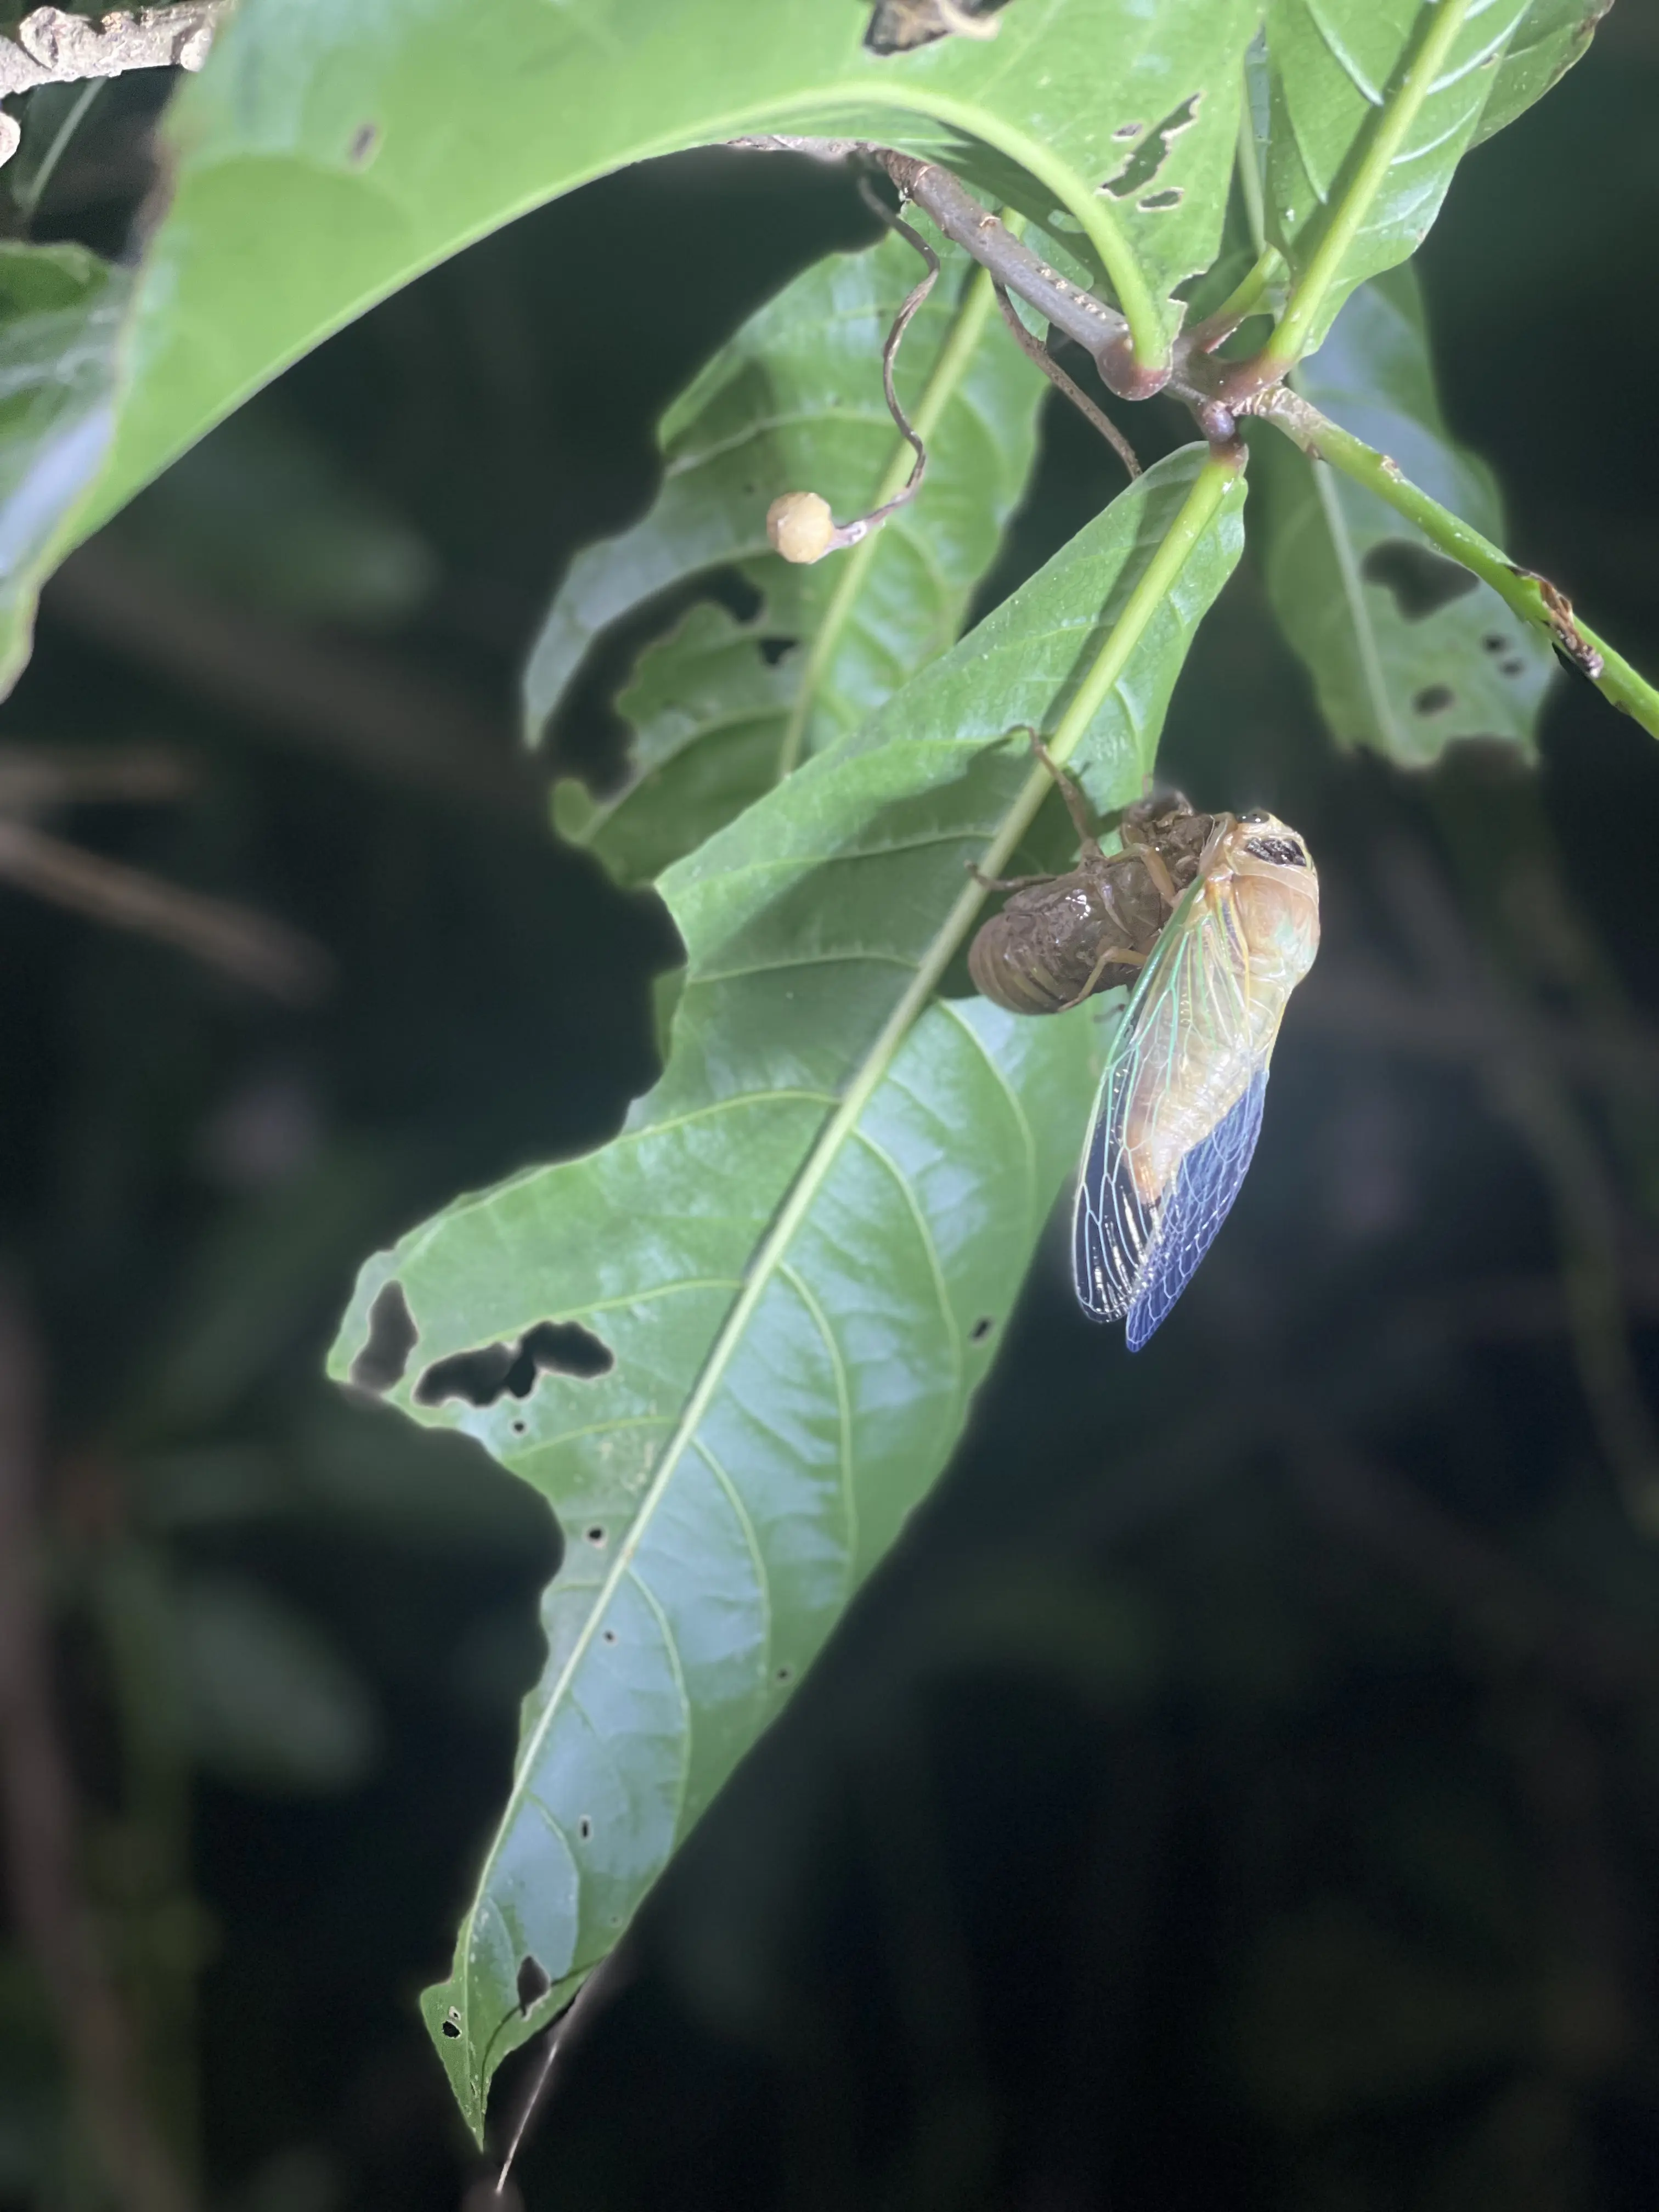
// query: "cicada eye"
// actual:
[[1282, 852], [1255, 815]]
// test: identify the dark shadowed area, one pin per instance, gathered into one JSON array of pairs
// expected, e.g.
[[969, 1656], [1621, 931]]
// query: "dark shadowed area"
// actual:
[[1241, 1789]]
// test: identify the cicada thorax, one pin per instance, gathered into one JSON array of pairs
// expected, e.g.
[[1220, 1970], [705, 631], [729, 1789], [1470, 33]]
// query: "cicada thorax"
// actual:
[[1053, 945]]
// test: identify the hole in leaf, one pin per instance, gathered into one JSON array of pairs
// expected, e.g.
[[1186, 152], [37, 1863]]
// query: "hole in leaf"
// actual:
[[1433, 699], [897, 27], [364, 140], [1128, 130], [519, 1427], [1422, 582], [1155, 202], [552, 1347], [533, 1982], [1493, 643], [452, 2023], [391, 1337], [596, 1534], [584, 1827], [1511, 667], [608, 1635], [1149, 157], [773, 649], [785, 1675], [980, 1329]]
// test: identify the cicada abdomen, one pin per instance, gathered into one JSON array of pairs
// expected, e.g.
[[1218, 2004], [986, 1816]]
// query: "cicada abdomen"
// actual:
[[1060, 938]]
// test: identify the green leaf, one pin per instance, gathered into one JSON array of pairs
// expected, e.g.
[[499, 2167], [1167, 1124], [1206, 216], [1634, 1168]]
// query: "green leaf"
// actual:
[[1373, 105], [1553, 35], [794, 401], [62, 318], [327, 154], [1406, 650], [796, 1255]]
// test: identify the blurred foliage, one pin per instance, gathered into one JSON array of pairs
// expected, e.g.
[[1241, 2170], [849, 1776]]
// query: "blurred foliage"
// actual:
[[1249, 1796]]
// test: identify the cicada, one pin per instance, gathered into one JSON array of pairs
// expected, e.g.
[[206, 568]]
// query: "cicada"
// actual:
[[1179, 1111]]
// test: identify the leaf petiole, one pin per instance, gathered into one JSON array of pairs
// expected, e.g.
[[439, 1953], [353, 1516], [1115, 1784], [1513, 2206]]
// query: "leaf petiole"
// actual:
[[1533, 598]]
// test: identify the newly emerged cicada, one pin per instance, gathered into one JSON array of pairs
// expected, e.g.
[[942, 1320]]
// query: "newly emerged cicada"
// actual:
[[1180, 1105]]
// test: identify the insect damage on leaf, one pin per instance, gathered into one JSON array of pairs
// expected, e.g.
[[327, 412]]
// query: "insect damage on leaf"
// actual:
[[495, 1371], [393, 1336], [1150, 156], [898, 27], [1422, 582]]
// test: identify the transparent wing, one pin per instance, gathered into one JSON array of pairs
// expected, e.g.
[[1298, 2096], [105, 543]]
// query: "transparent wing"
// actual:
[[1206, 1184], [1136, 1234]]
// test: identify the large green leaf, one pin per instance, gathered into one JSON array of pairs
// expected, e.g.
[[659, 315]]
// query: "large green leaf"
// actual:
[[63, 313], [794, 1257], [1554, 34], [328, 154], [794, 402], [1346, 75], [1407, 651]]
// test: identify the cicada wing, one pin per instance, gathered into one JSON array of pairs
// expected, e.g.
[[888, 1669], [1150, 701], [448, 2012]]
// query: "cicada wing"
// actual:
[[1113, 1221], [1206, 1184], [1137, 1234]]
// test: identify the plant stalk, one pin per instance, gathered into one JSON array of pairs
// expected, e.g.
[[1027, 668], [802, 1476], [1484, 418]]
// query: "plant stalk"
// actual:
[[1535, 598]]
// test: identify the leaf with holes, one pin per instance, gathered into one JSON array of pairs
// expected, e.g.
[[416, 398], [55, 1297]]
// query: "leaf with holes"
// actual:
[[63, 319], [795, 401], [327, 154], [1407, 650], [1373, 103], [791, 1264]]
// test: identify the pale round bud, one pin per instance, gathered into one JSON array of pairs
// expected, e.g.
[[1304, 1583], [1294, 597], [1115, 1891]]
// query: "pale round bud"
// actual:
[[800, 526]]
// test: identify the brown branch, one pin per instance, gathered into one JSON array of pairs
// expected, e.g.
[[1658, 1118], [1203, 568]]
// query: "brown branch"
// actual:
[[33, 777], [349, 703], [255, 950], [54, 47], [38, 1813]]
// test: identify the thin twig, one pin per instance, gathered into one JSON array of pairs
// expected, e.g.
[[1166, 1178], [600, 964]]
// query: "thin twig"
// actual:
[[54, 47], [352, 704], [1034, 349], [889, 351], [41, 1854], [255, 951], [36, 776]]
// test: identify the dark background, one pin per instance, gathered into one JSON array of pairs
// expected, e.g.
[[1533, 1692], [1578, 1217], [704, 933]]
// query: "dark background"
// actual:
[[1243, 1788]]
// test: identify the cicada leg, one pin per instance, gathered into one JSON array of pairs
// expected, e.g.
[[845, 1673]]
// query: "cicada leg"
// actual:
[[1088, 844], [1114, 956], [1005, 882]]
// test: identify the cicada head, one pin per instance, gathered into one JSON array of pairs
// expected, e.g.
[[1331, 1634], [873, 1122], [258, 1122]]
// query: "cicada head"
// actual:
[[1275, 889]]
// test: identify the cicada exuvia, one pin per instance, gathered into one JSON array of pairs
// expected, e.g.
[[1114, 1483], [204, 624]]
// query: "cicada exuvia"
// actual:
[[1216, 919]]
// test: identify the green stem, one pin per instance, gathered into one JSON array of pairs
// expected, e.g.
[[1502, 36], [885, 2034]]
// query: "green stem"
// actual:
[[1533, 598], [1249, 171], [1245, 299], [1219, 477], [1290, 341], [978, 299]]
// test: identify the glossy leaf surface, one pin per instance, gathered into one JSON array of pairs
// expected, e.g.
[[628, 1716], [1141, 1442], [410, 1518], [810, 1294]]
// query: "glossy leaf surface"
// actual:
[[1342, 71], [794, 1257], [794, 402], [1406, 650], [62, 318], [327, 154]]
